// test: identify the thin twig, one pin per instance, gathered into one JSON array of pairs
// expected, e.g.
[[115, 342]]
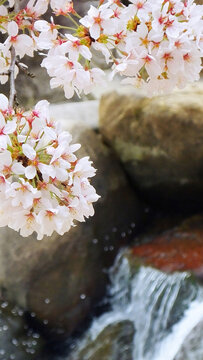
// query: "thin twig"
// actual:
[[12, 95], [24, 69]]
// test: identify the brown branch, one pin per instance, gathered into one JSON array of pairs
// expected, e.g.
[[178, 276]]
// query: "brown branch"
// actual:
[[12, 95]]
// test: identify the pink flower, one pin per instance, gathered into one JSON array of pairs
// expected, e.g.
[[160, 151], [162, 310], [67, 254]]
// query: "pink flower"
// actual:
[[38, 7], [96, 19], [74, 48], [6, 127], [22, 43]]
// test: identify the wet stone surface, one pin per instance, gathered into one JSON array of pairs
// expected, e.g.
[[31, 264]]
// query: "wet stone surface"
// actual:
[[114, 342], [177, 249]]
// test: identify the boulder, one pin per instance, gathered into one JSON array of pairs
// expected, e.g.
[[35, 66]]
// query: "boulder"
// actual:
[[159, 142], [176, 249], [61, 278], [113, 343]]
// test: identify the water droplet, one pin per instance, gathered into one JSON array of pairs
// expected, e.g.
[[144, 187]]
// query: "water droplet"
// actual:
[[123, 234], [33, 314], [106, 237], [2, 352], [47, 301], [36, 336], [45, 322], [30, 351], [4, 304], [111, 248], [114, 229], [15, 342], [29, 344], [5, 327], [95, 241], [83, 296], [132, 225], [106, 248], [12, 356], [20, 312]]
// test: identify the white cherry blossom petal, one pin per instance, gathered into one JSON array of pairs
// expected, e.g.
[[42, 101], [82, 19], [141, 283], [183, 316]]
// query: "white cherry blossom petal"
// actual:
[[47, 170], [2, 121], [30, 172], [3, 102], [12, 28], [10, 127], [18, 168], [29, 151], [4, 140], [95, 31]]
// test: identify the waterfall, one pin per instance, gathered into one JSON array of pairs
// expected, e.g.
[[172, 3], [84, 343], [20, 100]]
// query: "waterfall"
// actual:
[[163, 308]]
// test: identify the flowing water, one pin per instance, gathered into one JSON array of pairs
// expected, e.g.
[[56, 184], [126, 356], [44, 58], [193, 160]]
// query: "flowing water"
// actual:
[[165, 312]]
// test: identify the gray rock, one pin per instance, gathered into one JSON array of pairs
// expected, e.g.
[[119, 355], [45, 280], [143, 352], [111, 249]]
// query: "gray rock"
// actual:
[[159, 141], [61, 279]]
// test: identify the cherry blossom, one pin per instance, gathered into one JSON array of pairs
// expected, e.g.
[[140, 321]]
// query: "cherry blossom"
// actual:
[[48, 34], [144, 42], [37, 8], [75, 48], [44, 187], [96, 19], [62, 7]]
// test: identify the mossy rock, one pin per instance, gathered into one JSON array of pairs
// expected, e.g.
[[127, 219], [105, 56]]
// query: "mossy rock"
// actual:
[[159, 142], [113, 343]]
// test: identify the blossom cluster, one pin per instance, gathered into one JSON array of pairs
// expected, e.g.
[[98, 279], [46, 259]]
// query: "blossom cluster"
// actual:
[[156, 45], [43, 186]]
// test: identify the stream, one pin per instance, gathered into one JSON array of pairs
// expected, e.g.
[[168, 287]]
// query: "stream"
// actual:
[[153, 316]]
